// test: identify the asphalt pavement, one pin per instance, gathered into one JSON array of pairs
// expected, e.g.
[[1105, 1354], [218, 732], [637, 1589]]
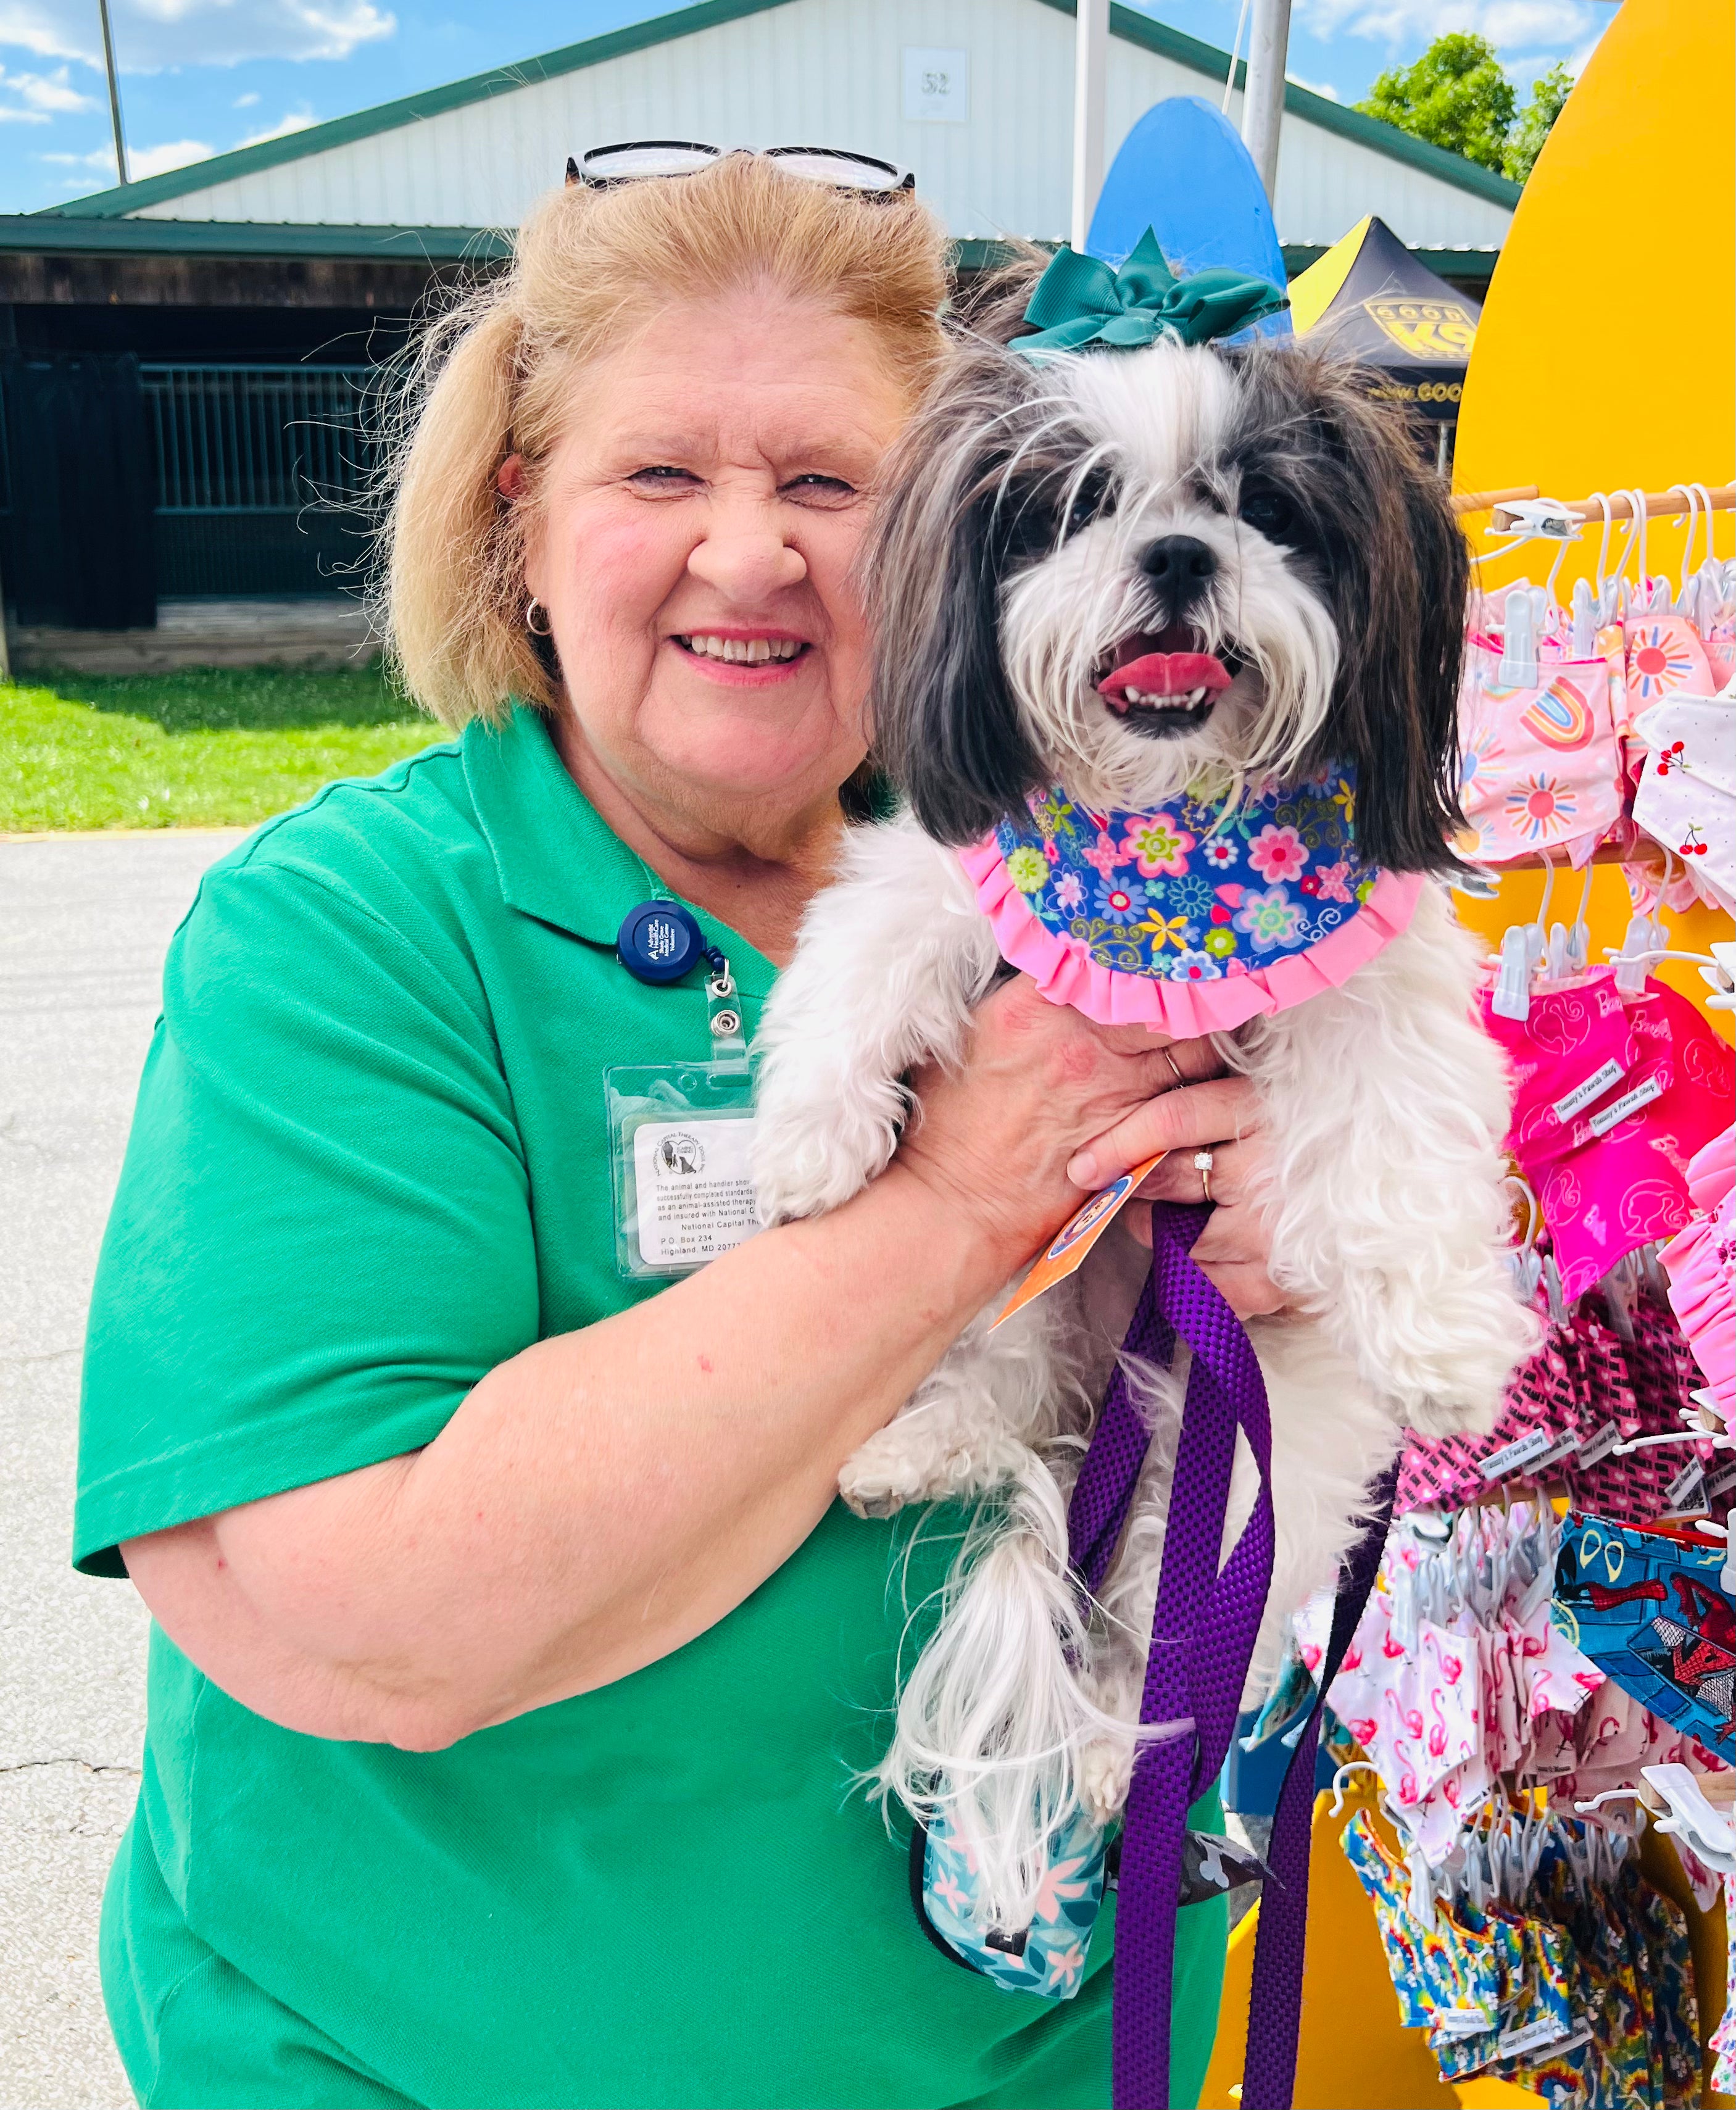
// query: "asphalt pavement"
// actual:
[[83, 923]]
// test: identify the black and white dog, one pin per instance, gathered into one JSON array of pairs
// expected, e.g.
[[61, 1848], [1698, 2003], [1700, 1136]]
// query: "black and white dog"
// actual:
[[1042, 526]]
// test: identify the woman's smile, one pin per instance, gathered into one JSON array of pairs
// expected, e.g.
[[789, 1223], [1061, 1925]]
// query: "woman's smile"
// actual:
[[741, 657]]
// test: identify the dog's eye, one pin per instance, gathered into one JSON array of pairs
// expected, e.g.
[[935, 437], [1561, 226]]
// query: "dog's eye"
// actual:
[[1092, 497], [1267, 511]]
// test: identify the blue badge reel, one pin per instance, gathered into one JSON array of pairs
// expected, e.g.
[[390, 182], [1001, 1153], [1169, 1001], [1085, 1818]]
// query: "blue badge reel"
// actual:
[[681, 1134]]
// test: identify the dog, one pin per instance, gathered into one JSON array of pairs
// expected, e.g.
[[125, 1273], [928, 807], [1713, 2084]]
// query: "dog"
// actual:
[[1248, 517]]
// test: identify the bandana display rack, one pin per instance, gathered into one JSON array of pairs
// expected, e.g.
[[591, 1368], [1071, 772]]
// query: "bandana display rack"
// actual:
[[1550, 1654]]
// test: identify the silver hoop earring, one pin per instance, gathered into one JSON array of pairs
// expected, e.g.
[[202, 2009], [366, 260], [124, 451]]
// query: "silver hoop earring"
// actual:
[[543, 629]]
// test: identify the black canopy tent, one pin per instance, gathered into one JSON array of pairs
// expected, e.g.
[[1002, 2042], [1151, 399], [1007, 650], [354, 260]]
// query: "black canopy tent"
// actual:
[[1371, 299]]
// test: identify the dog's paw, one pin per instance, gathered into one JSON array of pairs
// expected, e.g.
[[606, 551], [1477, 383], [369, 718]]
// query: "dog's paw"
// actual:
[[1105, 1775], [1451, 1378], [813, 1151], [887, 1474]]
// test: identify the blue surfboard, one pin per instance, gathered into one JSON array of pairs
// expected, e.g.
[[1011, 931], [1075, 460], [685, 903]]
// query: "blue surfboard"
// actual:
[[1184, 172]]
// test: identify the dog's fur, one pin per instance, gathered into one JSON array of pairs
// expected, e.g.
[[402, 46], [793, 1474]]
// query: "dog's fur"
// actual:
[[1008, 566]]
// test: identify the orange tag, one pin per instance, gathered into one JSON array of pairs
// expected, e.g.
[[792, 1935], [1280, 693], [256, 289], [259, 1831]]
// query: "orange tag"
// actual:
[[1076, 1237]]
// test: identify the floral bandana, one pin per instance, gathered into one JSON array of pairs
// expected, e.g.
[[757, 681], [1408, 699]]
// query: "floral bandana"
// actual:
[[1189, 918]]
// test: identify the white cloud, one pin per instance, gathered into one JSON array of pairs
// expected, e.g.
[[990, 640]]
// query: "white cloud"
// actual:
[[15, 116], [149, 34], [53, 94], [1317, 87], [246, 101], [143, 161], [1503, 22], [296, 120], [101, 159]]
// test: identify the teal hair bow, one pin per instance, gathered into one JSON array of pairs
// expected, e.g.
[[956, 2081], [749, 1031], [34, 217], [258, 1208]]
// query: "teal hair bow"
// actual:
[[1080, 301]]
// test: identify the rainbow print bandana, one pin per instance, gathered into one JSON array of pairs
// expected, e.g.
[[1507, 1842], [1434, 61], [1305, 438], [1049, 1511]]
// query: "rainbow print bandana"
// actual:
[[1186, 918]]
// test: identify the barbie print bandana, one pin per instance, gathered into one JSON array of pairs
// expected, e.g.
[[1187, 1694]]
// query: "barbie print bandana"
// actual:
[[1190, 919]]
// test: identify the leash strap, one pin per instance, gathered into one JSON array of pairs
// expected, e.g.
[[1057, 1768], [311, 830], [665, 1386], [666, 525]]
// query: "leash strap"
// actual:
[[1204, 1627], [1275, 1998]]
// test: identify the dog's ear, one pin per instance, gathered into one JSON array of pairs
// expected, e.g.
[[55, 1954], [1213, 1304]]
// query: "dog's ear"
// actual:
[[1401, 626], [946, 725]]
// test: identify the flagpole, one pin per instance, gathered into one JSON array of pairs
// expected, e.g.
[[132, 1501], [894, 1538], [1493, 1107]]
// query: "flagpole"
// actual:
[[1091, 72], [114, 91], [1262, 101]]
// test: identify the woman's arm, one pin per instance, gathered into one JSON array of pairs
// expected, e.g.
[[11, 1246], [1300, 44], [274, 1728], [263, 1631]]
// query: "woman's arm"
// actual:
[[606, 1496]]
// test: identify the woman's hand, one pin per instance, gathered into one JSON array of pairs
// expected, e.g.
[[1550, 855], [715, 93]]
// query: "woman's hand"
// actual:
[[1047, 1108], [994, 1138], [1210, 1110]]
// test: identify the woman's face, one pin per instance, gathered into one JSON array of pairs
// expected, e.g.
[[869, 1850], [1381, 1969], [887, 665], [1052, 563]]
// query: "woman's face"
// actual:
[[694, 549]]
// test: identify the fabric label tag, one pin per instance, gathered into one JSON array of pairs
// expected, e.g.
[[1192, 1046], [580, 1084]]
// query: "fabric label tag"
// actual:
[[1599, 1445], [1593, 1088], [1642, 1095], [1721, 1483], [1546, 2030], [1687, 1491], [1461, 2022], [1525, 1452], [695, 1189], [1566, 1448]]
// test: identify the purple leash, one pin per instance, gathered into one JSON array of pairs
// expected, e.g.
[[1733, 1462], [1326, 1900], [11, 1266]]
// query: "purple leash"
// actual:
[[1203, 1630]]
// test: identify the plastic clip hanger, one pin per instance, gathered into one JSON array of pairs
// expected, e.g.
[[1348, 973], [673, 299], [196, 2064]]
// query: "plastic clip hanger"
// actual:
[[1641, 944], [1350, 1766], [1525, 1260], [1518, 667], [1512, 993], [1691, 492]]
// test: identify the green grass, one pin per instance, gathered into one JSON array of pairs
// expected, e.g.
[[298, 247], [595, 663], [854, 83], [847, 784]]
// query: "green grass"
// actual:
[[208, 747]]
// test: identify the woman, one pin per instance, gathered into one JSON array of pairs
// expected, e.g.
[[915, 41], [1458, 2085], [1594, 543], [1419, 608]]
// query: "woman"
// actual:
[[511, 1653]]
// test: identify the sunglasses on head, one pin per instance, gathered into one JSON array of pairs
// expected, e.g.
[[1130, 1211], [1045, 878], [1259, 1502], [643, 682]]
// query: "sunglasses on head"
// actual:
[[633, 160]]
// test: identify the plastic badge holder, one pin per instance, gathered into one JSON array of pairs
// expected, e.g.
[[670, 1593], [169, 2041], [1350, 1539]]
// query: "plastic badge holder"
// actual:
[[680, 1136]]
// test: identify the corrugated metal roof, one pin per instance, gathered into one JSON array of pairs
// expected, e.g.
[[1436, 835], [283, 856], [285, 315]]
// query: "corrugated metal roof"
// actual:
[[733, 71]]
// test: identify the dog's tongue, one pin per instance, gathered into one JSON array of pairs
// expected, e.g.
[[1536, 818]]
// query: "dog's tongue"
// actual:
[[1165, 674]]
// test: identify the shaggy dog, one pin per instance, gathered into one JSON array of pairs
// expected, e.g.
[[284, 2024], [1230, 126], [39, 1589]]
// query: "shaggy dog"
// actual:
[[1243, 531]]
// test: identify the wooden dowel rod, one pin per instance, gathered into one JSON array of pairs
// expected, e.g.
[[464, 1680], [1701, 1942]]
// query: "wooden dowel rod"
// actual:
[[1481, 501], [1658, 505]]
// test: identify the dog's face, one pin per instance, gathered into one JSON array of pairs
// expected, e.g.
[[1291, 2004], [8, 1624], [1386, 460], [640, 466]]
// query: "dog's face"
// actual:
[[1124, 573]]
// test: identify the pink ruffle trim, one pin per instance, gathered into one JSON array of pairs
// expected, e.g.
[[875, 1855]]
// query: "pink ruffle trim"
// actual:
[[1066, 973]]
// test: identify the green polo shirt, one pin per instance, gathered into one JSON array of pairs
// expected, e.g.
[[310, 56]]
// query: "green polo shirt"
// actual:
[[369, 1162]]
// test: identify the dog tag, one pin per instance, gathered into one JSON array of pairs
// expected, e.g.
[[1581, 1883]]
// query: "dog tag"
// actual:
[[1076, 1236]]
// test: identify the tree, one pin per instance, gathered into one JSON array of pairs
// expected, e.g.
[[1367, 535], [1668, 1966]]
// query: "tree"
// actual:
[[1524, 142], [1456, 96]]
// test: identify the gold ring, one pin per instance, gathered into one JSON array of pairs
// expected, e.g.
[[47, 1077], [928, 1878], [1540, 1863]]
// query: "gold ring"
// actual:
[[1175, 1067], [1202, 1166]]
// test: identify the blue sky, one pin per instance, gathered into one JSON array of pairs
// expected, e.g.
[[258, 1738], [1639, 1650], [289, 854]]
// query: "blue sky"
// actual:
[[200, 76]]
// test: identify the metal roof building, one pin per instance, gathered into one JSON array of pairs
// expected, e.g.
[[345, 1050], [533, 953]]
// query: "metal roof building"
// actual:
[[183, 360], [976, 96]]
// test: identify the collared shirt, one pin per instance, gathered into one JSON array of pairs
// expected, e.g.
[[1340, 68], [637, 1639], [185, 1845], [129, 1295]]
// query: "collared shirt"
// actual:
[[370, 1162]]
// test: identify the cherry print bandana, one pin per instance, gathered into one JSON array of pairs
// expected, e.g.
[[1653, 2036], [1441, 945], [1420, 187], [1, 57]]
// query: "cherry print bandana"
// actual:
[[1686, 793]]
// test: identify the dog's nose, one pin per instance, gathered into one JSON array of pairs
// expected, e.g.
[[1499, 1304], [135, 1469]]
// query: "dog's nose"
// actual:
[[1182, 568]]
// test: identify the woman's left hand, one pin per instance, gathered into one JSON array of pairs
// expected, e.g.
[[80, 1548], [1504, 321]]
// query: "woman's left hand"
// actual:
[[1211, 1110]]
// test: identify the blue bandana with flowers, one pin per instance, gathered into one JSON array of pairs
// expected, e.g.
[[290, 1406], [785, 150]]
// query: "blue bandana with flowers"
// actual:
[[1184, 894]]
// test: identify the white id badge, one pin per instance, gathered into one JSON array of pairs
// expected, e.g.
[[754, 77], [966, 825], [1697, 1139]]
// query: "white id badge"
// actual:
[[680, 1139]]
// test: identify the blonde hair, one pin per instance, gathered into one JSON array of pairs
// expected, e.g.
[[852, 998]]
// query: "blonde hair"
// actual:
[[494, 377]]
